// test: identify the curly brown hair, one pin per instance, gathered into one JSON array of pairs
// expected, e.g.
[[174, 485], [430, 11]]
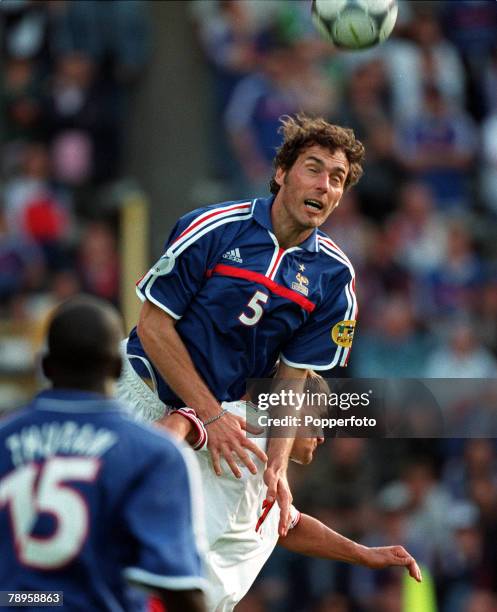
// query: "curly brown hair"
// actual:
[[301, 132]]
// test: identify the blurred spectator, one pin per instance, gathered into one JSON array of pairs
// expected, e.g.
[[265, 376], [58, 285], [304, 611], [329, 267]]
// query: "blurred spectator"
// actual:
[[380, 275], [488, 170], [388, 597], [417, 232], [365, 109], [395, 347], [428, 58], [430, 505], [21, 100], [332, 602], [257, 102], [112, 32], [479, 459], [342, 506], [454, 285], [437, 146], [481, 601], [35, 209], [463, 565], [485, 313], [366, 101], [98, 262], [353, 484], [463, 356], [228, 37], [388, 524], [490, 82], [21, 264], [26, 26], [383, 173], [483, 491], [81, 122], [472, 27]]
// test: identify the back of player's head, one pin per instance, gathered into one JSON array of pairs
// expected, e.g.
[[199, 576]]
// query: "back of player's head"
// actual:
[[301, 132], [83, 343]]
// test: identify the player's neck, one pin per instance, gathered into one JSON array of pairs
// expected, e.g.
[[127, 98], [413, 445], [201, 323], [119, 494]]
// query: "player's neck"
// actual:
[[287, 233], [90, 386], [290, 239]]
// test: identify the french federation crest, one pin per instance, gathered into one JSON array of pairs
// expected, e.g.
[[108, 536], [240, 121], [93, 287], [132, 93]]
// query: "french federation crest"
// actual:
[[343, 333], [301, 284]]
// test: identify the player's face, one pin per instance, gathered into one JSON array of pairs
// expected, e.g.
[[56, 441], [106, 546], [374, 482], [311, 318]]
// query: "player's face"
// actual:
[[311, 189], [303, 449]]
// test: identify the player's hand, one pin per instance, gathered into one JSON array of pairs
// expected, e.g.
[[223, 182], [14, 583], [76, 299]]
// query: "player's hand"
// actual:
[[387, 556], [278, 489], [227, 440]]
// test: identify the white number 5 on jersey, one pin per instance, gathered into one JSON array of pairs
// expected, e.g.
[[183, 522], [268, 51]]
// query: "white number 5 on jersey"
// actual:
[[31, 490], [255, 306]]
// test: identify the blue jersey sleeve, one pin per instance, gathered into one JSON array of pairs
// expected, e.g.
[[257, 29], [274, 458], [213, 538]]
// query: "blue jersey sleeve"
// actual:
[[163, 518], [324, 341], [174, 279], [192, 249]]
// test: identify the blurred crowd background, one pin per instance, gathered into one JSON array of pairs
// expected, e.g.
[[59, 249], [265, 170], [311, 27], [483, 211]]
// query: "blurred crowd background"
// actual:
[[420, 229]]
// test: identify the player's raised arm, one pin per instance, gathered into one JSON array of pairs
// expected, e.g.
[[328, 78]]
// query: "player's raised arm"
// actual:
[[313, 538], [164, 346]]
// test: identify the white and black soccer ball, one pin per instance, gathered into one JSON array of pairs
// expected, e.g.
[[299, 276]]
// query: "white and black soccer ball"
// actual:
[[355, 24]]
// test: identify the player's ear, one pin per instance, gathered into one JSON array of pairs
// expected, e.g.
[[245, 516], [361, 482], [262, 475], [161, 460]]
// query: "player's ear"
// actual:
[[279, 176]]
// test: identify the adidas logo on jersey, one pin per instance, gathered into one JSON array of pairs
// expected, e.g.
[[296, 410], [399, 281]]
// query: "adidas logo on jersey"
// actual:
[[233, 255]]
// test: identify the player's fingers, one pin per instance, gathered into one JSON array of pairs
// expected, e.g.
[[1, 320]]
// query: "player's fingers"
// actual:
[[284, 522], [246, 460], [271, 482], [404, 558], [284, 502], [253, 448], [216, 462], [230, 460], [414, 571], [250, 427]]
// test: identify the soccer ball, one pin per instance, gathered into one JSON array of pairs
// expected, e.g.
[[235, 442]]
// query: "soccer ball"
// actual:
[[355, 24]]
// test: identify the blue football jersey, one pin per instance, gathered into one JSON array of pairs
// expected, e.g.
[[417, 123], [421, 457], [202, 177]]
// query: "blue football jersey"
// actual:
[[90, 501], [241, 302]]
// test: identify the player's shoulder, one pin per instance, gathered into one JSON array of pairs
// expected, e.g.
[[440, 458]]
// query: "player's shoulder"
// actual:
[[13, 420], [149, 438], [333, 256], [213, 212], [209, 223]]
